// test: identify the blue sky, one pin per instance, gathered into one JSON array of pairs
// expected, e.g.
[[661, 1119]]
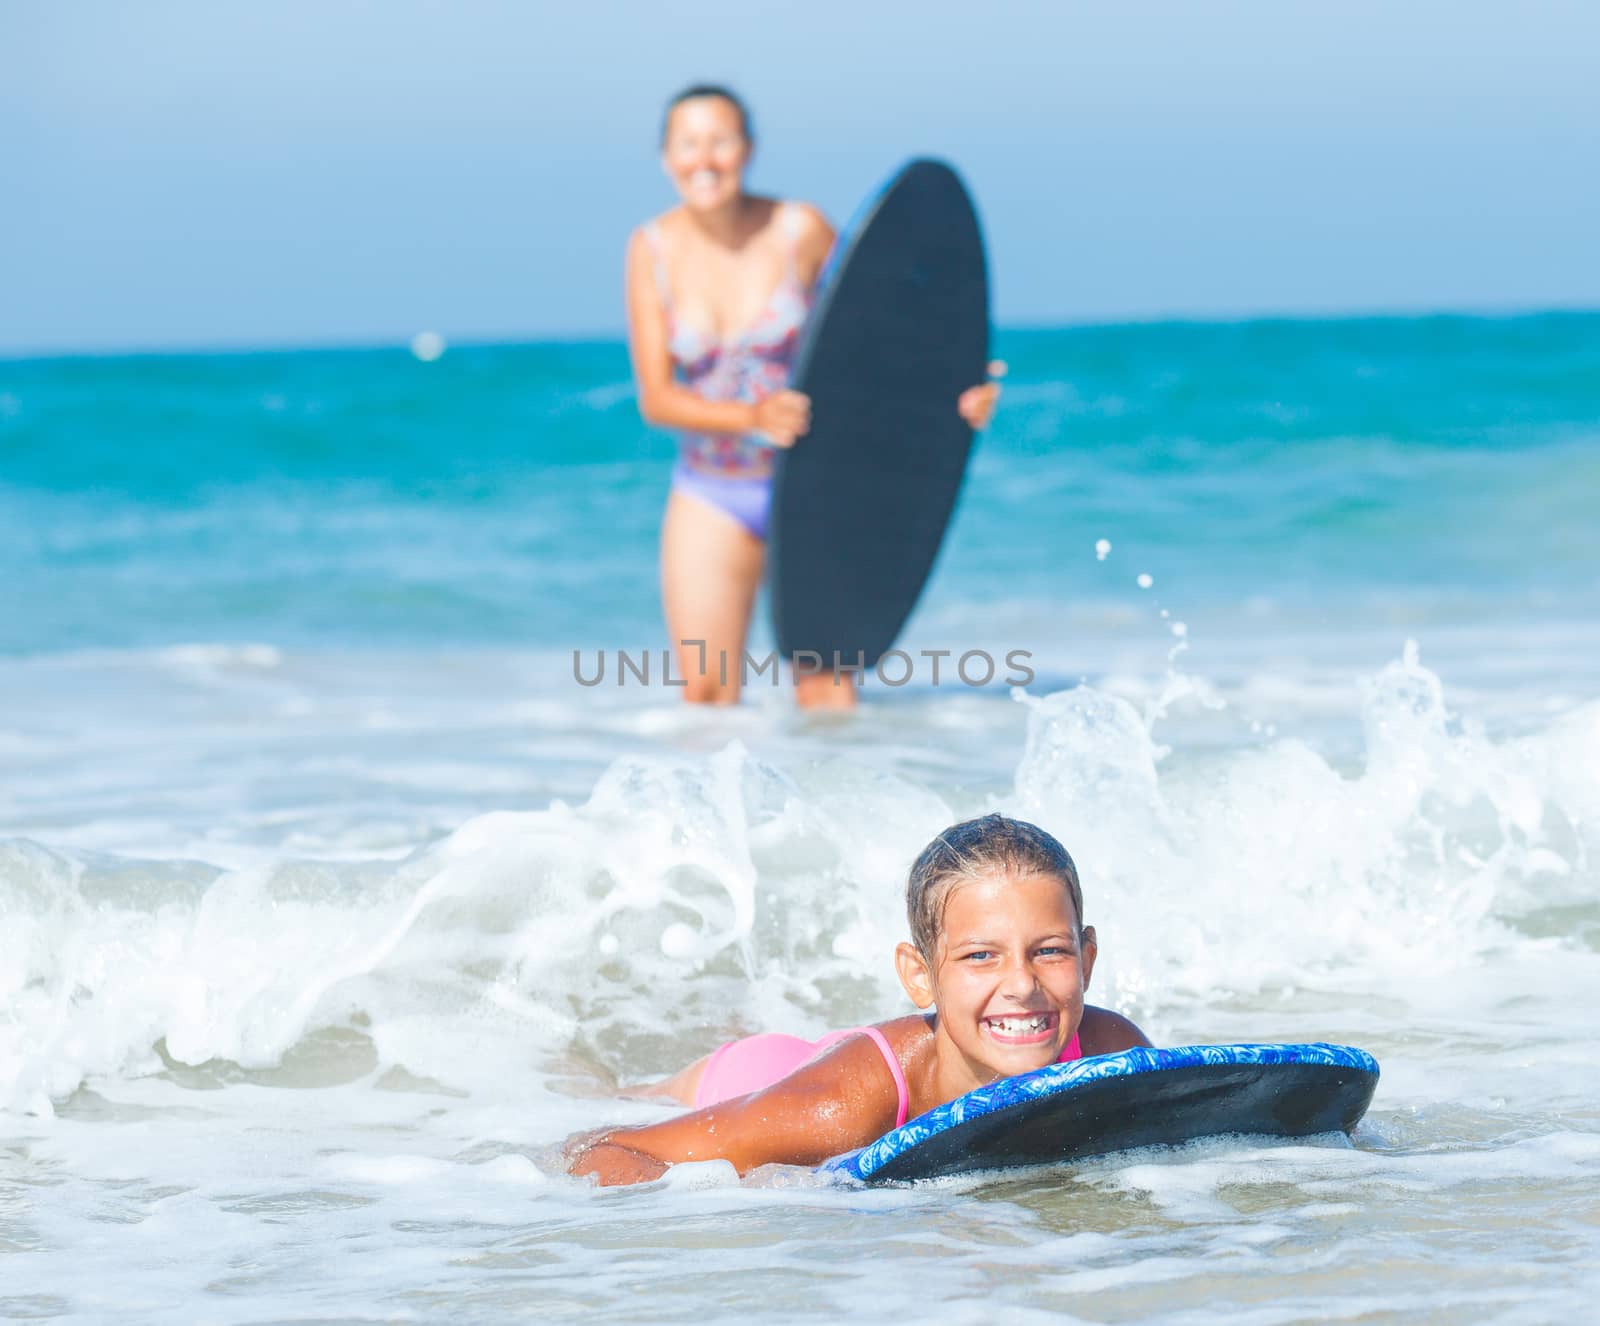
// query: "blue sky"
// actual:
[[190, 174]]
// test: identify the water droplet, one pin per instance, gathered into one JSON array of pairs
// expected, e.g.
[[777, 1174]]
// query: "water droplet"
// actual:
[[678, 940]]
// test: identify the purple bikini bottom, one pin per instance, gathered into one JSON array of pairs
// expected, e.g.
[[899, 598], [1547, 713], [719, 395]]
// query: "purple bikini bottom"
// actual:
[[746, 499]]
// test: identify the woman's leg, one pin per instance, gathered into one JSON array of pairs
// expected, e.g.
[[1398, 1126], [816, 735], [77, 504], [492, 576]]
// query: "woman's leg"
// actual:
[[825, 690], [710, 570]]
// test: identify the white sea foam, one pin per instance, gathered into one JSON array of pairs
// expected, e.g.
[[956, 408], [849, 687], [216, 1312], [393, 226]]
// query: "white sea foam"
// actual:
[[752, 894], [281, 1040]]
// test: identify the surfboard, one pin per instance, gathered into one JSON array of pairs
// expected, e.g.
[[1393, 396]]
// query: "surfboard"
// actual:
[[860, 503], [1117, 1102]]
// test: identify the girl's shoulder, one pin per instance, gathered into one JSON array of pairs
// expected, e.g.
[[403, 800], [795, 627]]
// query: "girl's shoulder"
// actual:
[[907, 1031], [1103, 1031], [867, 1051], [905, 1038], [911, 1039]]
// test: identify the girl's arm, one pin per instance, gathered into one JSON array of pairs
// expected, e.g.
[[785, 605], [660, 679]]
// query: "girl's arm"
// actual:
[[1105, 1032], [837, 1102]]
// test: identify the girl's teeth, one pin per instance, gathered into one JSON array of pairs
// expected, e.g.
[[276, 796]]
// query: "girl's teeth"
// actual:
[[1020, 1026]]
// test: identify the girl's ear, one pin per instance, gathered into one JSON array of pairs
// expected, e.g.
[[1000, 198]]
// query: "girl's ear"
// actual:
[[915, 975], [1088, 950]]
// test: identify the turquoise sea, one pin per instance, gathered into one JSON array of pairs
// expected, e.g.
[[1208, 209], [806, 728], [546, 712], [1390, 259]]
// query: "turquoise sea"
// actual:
[[330, 901], [1436, 470]]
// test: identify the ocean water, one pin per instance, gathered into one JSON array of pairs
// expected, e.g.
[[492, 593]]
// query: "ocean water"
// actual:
[[330, 901]]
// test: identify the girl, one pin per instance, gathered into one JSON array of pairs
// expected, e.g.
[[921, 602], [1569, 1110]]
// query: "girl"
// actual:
[[999, 951], [718, 290]]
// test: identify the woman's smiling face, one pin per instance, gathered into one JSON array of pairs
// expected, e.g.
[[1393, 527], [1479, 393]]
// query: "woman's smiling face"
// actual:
[[1011, 970], [705, 152]]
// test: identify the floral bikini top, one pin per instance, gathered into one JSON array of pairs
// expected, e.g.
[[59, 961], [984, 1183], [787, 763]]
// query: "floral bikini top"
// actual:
[[747, 367]]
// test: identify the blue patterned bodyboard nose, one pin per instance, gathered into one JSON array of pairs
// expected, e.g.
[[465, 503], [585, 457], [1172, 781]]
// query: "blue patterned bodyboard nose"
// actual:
[[1116, 1102]]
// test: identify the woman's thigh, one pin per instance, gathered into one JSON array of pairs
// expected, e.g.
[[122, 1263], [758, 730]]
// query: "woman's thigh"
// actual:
[[710, 570]]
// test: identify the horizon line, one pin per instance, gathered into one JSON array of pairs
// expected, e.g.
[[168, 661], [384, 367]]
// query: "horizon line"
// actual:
[[364, 344]]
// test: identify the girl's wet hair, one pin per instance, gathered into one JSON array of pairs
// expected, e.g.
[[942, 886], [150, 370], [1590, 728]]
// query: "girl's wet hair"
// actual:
[[697, 90], [971, 850]]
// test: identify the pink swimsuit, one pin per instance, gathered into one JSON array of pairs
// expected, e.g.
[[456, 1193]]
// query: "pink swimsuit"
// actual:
[[756, 1062], [732, 472]]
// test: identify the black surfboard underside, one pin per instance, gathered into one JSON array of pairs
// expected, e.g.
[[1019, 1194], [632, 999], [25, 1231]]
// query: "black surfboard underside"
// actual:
[[860, 504]]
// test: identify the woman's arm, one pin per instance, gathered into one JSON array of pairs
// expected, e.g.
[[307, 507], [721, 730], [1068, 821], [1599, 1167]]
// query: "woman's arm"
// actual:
[[841, 1100], [661, 400], [976, 404]]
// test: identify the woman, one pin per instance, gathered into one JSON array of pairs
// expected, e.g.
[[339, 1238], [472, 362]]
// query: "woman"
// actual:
[[718, 291]]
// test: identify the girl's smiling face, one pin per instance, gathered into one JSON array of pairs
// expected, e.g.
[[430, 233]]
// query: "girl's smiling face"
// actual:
[[705, 152], [1009, 975]]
